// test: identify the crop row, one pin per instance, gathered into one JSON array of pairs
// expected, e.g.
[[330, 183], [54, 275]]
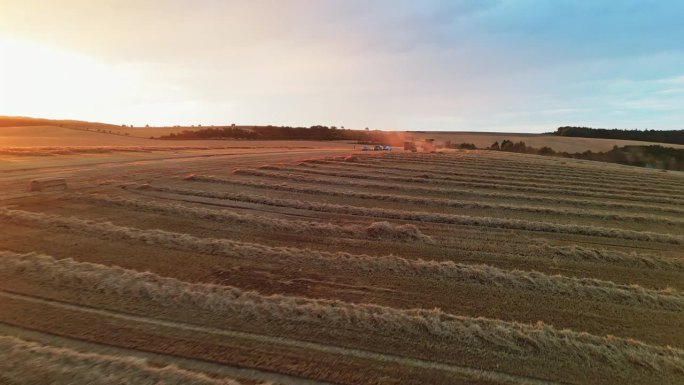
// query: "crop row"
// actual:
[[375, 230], [427, 178], [618, 258], [420, 216], [486, 162], [485, 165], [525, 164], [468, 192], [435, 202], [602, 203], [560, 179], [386, 230], [24, 362], [575, 288], [418, 326], [491, 185]]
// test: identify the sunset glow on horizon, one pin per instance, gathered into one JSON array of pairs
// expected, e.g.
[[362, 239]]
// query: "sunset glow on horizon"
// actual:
[[525, 66]]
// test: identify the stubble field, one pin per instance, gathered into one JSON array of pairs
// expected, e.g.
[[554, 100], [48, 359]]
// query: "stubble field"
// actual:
[[315, 267]]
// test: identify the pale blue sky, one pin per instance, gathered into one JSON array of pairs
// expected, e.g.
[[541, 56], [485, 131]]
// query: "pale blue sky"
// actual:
[[527, 66]]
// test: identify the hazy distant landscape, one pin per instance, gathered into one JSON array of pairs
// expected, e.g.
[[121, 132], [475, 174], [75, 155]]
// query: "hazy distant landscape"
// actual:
[[47, 137]]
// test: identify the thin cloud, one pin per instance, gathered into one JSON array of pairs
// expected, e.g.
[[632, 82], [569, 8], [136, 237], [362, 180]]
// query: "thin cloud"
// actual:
[[440, 65]]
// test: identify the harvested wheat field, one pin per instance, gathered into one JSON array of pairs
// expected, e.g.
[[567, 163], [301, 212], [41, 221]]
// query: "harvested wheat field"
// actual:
[[314, 266]]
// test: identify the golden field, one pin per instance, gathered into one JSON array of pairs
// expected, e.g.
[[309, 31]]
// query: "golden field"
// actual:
[[308, 262]]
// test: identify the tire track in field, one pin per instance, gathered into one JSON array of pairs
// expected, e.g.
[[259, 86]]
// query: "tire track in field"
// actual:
[[464, 371]]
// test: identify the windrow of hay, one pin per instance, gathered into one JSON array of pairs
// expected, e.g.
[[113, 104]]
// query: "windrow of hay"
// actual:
[[402, 233], [508, 171], [24, 362], [486, 161], [437, 202], [557, 285], [350, 181], [420, 216], [619, 258], [522, 163], [542, 189], [613, 174], [437, 161], [361, 182], [420, 326], [559, 179], [507, 160]]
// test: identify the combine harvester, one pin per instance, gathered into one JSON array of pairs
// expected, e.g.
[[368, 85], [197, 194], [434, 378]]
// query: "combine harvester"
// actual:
[[425, 146]]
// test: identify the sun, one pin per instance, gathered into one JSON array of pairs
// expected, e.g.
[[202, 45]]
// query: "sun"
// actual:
[[40, 80]]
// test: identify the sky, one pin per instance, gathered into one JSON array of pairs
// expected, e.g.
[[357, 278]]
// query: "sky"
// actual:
[[487, 65]]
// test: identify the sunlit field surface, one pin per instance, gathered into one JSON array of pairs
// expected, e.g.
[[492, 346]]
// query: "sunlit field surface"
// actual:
[[319, 265]]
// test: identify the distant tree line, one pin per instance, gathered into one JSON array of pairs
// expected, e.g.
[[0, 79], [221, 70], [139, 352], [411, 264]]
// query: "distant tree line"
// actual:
[[655, 156], [17, 121], [671, 136], [280, 133], [462, 146]]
